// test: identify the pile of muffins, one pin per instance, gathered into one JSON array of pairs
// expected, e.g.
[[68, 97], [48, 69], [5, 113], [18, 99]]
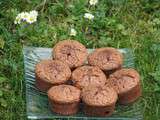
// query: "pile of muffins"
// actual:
[[96, 81]]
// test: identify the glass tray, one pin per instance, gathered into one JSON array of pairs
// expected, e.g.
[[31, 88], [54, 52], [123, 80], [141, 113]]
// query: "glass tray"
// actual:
[[37, 102]]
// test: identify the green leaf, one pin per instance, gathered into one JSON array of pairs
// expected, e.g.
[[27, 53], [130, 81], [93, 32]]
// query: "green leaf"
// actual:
[[124, 32], [1, 93], [120, 27], [2, 79], [157, 88], [1, 42], [156, 21], [156, 76], [3, 103]]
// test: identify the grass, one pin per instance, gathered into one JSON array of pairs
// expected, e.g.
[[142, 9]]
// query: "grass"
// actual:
[[122, 24]]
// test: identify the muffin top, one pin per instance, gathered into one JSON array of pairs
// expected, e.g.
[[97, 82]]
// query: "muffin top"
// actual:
[[106, 58], [99, 96], [64, 94], [124, 80], [53, 71], [70, 51], [88, 75]]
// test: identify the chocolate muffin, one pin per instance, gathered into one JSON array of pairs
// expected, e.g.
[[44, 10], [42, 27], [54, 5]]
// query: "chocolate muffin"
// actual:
[[88, 75], [108, 59], [51, 72], [127, 84], [99, 101], [64, 99], [70, 51]]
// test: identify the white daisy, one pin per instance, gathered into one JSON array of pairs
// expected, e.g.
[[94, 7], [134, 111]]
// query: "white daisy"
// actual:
[[29, 17], [33, 12], [93, 2], [24, 16], [18, 19], [32, 17], [73, 32], [89, 16]]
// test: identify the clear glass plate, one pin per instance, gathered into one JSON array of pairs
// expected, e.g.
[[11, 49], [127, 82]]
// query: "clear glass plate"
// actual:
[[37, 102]]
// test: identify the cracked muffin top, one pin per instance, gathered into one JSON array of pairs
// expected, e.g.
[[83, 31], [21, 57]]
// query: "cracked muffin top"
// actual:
[[64, 94], [99, 96], [88, 75], [53, 71], [70, 51], [106, 58], [123, 80]]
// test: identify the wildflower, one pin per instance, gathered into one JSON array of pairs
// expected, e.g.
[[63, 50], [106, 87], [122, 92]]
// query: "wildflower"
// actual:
[[89, 16], [73, 32], [33, 12], [18, 19], [93, 2], [29, 17], [24, 16], [32, 17]]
